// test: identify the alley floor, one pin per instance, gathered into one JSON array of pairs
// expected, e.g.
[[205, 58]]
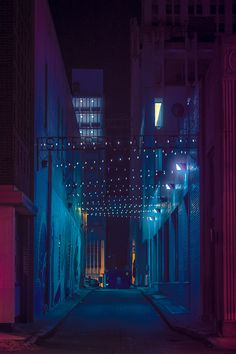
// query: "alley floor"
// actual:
[[116, 322]]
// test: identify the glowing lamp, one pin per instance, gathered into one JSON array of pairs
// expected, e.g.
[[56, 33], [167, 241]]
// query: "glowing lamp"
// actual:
[[157, 113], [156, 211], [170, 186], [180, 166]]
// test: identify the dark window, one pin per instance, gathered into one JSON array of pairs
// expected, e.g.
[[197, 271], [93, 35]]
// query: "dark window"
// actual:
[[168, 9], [234, 8], [155, 9], [221, 27], [176, 242], [234, 28], [191, 71], [177, 8], [199, 9], [58, 118], [46, 96], [160, 256], [221, 9], [212, 9], [166, 252], [191, 9], [211, 177]]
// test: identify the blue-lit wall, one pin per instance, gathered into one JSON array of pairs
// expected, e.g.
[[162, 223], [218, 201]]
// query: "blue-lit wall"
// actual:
[[57, 236], [168, 240]]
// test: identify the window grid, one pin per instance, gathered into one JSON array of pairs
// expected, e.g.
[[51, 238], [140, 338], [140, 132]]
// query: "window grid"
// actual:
[[88, 112]]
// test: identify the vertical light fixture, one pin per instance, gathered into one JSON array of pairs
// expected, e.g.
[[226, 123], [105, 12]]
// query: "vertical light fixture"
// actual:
[[158, 113]]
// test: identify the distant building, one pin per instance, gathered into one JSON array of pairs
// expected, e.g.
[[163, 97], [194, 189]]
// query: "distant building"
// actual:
[[88, 102], [171, 50]]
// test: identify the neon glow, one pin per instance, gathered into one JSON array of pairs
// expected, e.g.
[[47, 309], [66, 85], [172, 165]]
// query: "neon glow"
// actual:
[[158, 112], [158, 106], [180, 166], [170, 186]]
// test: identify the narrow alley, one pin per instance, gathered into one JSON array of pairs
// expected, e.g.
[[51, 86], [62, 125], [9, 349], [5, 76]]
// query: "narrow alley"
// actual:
[[117, 321]]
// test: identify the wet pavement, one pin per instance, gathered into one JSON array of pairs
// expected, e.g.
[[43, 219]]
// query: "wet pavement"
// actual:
[[116, 322]]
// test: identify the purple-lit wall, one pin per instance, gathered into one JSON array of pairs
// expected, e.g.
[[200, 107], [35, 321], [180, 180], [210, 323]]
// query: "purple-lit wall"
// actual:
[[57, 224], [218, 176]]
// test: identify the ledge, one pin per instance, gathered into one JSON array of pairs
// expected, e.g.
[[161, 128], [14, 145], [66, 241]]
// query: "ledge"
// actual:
[[12, 197]]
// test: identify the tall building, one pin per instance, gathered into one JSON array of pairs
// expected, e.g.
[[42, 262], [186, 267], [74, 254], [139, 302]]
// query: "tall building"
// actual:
[[217, 168], [17, 207], [88, 102], [58, 238], [39, 224], [171, 50]]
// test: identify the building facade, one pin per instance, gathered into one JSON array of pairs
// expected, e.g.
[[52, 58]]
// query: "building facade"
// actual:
[[217, 162], [40, 225], [17, 207], [88, 102], [171, 50], [58, 232]]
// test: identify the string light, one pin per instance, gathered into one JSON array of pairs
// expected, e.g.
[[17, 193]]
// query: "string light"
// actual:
[[98, 194]]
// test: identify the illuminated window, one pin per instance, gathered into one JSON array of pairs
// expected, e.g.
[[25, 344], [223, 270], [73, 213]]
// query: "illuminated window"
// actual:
[[158, 113]]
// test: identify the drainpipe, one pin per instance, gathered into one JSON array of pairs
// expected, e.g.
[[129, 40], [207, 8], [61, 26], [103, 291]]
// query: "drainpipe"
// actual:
[[48, 242]]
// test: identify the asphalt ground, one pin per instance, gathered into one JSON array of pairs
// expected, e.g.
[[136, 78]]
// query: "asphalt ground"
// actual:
[[116, 322]]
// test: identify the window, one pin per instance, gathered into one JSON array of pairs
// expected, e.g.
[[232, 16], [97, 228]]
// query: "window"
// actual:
[[155, 9], [174, 72], [191, 71], [213, 7], [174, 217], [221, 27], [58, 117], [166, 252], [234, 7], [46, 96], [191, 8], [158, 113], [199, 9], [168, 8], [177, 7], [160, 256], [221, 9], [234, 28]]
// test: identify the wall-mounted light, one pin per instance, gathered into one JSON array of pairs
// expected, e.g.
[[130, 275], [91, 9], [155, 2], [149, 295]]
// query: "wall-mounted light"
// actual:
[[158, 113], [156, 211], [180, 166], [170, 186]]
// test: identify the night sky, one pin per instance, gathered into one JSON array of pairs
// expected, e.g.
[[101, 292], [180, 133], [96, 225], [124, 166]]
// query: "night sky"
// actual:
[[95, 34]]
